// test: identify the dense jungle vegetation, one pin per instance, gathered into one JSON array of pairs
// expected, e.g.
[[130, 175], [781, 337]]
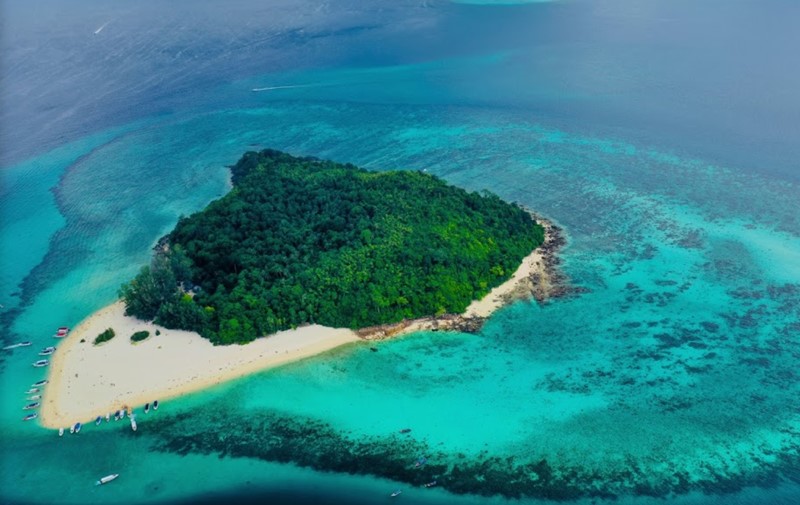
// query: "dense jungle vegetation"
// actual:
[[299, 240]]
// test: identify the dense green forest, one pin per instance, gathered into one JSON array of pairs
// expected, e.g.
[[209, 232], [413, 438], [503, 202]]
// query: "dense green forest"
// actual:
[[299, 240]]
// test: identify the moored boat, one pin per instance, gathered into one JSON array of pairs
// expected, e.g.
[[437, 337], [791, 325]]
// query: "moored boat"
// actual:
[[396, 493], [40, 383], [98, 420], [61, 432], [107, 417], [133, 422], [107, 479], [30, 416], [31, 406], [76, 428], [41, 363], [146, 408], [430, 484], [155, 405], [61, 332], [47, 351], [31, 391], [35, 397]]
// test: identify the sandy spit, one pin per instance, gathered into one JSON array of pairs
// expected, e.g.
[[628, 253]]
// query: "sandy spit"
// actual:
[[88, 380]]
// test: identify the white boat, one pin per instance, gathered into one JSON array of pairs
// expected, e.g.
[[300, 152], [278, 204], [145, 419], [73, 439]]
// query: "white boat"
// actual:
[[30, 417], [107, 479], [41, 363], [31, 406], [133, 422], [47, 351], [31, 391], [61, 432], [72, 429], [396, 493], [107, 417], [20, 344], [35, 397]]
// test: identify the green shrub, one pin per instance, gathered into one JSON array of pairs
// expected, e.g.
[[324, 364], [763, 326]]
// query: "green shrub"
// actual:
[[139, 336], [105, 336]]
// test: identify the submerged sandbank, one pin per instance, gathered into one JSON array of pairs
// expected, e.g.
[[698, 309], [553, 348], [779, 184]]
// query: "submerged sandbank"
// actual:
[[88, 380]]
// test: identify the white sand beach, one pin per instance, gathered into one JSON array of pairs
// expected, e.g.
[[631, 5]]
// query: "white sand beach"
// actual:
[[88, 380]]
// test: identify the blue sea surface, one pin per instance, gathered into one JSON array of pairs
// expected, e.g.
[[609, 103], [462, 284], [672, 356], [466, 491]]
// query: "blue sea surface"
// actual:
[[661, 135]]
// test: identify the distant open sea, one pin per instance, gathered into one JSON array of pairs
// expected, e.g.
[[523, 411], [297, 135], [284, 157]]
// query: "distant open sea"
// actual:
[[662, 135]]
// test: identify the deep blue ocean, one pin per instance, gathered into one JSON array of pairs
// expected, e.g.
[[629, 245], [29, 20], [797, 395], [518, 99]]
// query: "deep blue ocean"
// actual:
[[662, 135]]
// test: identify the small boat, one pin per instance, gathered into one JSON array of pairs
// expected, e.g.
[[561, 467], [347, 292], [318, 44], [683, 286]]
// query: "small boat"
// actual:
[[41, 363], [62, 332], [396, 493], [133, 422], [98, 420], [116, 416], [19, 344], [47, 351], [121, 414], [107, 417], [77, 428], [31, 406], [155, 405], [421, 461], [405, 430], [146, 408], [61, 432], [30, 416], [430, 484], [72, 429], [31, 391], [35, 397], [107, 479], [40, 383]]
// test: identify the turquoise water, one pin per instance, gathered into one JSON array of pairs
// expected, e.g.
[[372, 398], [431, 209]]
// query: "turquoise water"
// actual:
[[673, 376]]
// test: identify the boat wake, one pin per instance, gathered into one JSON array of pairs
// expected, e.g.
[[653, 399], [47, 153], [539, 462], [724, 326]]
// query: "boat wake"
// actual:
[[289, 86]]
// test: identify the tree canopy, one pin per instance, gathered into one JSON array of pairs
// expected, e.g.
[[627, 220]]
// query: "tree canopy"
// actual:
[[300, 240]]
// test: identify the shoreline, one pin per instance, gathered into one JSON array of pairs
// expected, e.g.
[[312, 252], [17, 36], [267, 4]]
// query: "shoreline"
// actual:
[[87, 380], [537, 277]]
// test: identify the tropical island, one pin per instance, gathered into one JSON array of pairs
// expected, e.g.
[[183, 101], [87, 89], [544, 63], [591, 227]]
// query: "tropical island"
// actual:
[[302, 241], [313, 254]]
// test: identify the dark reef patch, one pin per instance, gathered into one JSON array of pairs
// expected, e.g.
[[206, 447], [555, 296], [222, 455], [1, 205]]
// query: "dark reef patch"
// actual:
[[307, 442]]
